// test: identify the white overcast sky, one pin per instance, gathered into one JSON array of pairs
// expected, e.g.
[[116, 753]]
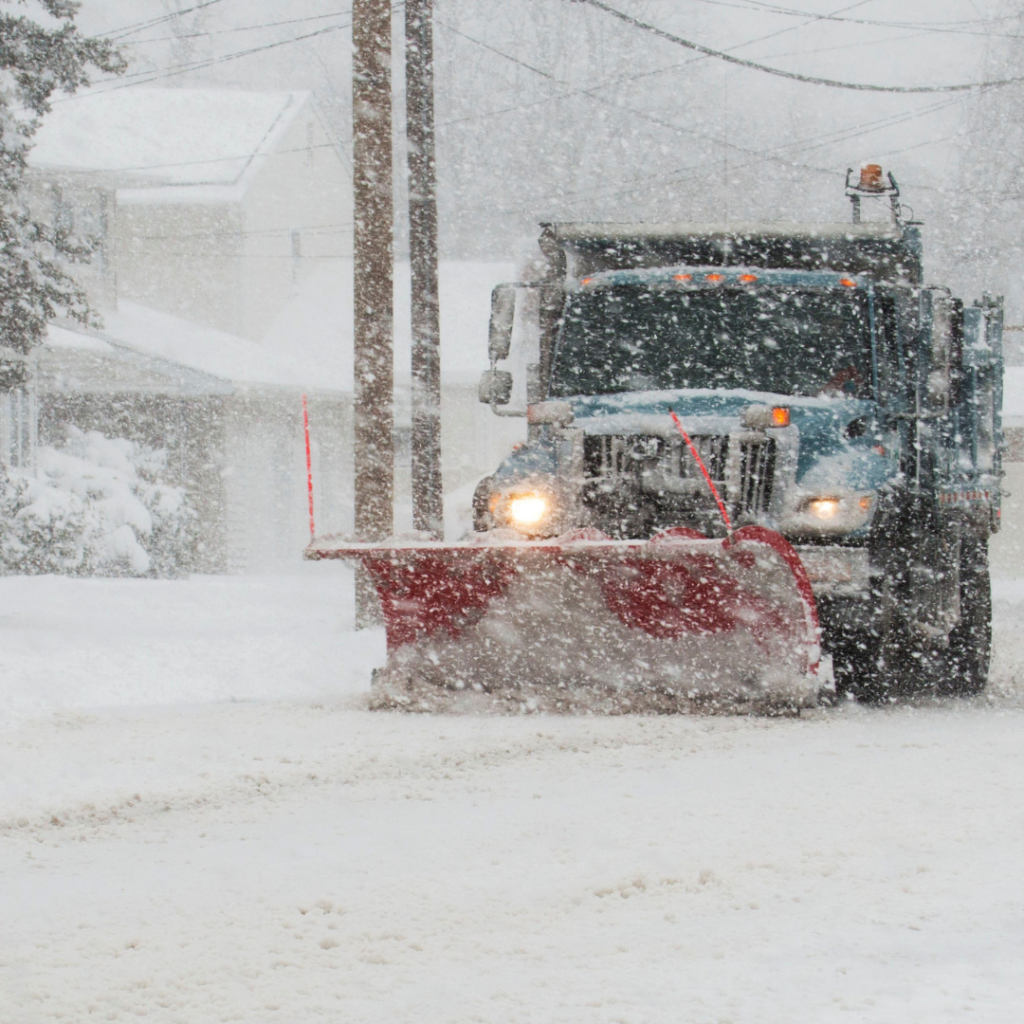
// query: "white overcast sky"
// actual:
[[514, 149]]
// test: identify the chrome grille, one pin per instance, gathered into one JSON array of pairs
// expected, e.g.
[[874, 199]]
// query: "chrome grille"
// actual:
[[611, 456], [757, 475]]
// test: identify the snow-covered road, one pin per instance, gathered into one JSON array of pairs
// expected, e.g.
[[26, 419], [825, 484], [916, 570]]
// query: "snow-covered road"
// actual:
[[199, 823]]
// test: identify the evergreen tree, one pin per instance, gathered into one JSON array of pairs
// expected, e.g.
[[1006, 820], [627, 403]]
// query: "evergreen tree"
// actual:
[[41, 52]]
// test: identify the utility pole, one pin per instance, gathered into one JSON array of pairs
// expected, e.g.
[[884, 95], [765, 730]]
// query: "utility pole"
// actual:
[[373, 286], [427, 495], [428, 502]]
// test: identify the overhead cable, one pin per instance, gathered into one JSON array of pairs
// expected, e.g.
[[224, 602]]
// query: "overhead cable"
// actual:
[[242, 28], [793, 75], [138, 26], [145, 77], [773, 155], [754, 6]]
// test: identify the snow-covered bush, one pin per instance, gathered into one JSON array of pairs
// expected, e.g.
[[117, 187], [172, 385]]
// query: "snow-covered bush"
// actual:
[[97, 506]]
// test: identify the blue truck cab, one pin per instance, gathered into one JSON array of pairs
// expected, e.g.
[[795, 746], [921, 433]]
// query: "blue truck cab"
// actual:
[[831, 395]]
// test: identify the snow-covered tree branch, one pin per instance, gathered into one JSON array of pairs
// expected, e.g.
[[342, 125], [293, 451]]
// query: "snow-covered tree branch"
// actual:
[[41, 52]]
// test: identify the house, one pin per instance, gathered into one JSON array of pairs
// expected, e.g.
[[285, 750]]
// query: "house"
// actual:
[[227, 413], [208, 204], [224, 278]]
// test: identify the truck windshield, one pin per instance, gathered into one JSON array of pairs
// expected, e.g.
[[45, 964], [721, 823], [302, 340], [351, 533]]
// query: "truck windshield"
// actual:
[[786, 341]]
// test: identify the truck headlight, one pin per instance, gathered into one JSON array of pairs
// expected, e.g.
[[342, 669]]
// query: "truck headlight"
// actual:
[[530, 512], [824, 508], [527, 510], [832, 513]]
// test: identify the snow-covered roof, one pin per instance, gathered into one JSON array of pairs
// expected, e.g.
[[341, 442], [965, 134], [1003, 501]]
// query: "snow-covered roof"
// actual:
[[73, 362], [177, 138], [176, 352], [308, 347], [318, 320]]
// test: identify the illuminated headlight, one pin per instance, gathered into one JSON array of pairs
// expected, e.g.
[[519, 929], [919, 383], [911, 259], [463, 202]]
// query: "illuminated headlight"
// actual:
[[527, 510], [832, 513], [824, 508]]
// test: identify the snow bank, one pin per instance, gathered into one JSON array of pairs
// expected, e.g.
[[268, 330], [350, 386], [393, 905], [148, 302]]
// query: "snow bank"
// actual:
[[68, 644]]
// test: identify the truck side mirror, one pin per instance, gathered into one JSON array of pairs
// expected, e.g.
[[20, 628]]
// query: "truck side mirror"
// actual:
[[503, 312], [495, 387]]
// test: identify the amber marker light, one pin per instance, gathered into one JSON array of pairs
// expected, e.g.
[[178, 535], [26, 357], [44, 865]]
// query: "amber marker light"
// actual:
[[714, 277], [748, 278], [587, 280], [848, 282], [683, 277], [865, 503], [780, 416]]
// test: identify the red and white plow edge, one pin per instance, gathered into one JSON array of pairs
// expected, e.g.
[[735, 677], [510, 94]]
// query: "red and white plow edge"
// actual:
[[583, 623]]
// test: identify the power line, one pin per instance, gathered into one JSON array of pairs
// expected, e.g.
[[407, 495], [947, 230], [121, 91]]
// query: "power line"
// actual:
[[847, 46], [237, 255], [590, 94], [615, 81], [242, 28], [208, 160], [313, 229], [183, 69], [792, 75], [828, 138], [138, 26], [754, 5]]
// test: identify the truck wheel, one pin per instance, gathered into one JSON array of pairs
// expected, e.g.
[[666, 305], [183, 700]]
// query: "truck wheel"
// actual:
[[963, 671], [899, 668], [854, 661]]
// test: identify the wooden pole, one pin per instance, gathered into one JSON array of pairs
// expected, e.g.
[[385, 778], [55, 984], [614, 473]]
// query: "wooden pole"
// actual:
[[373, 286], [427, 494]]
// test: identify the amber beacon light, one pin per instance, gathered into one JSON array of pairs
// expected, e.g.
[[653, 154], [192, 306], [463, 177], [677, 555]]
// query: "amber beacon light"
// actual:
[[871, 178]]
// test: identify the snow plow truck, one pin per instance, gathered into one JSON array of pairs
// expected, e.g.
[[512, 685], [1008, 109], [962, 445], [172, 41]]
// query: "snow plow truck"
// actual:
[[762, 466]]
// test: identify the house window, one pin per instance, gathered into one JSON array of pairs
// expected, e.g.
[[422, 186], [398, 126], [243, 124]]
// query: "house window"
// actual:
[[17, 429]]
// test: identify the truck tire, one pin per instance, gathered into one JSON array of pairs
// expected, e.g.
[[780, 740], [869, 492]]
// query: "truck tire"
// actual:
[[854, 661], [899, 669], [963, 671]]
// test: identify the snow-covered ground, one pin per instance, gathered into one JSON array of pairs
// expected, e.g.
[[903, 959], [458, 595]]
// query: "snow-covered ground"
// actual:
[[199, 822]]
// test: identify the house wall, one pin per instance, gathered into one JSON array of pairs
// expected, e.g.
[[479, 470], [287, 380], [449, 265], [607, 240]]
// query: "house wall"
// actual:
[[183, 259], [230, 257], [298, 210], [264, 473]]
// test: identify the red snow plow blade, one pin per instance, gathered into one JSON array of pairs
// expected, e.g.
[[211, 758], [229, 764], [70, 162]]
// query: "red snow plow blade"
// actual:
[[586, 623]]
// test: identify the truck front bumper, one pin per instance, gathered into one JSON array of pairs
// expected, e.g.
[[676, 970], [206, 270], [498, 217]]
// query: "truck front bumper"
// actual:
[[835, 570]]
